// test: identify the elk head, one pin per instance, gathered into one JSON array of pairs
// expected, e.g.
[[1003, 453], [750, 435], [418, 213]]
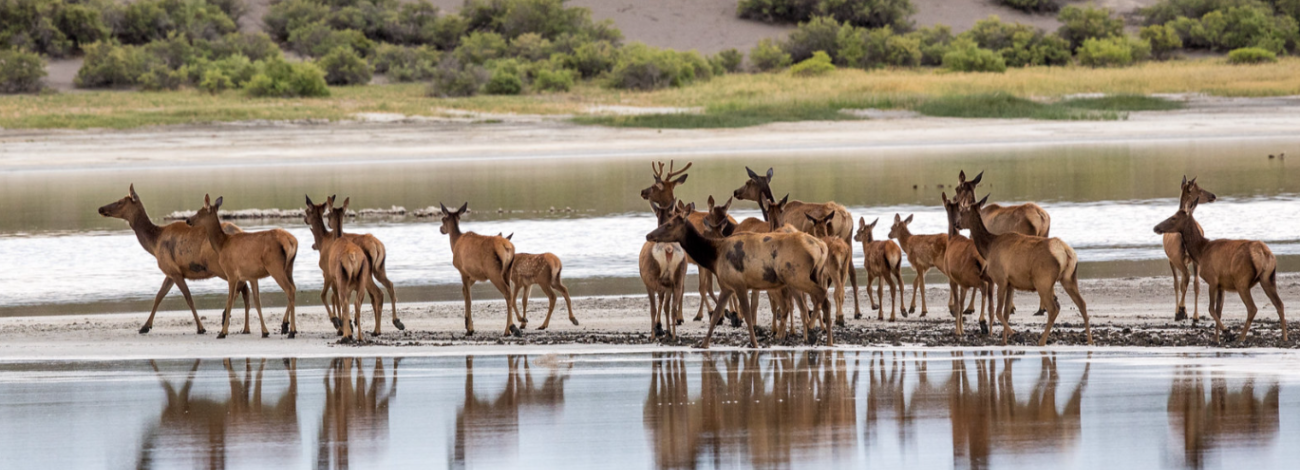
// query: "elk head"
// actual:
[[716, 222], [968, 213], [821, 224], [336, 218], [314, 216], [662, 191], [757, 188], [1181, 221], [451, 219], [1193, 192], [966, 189], [206, 217], [672, 230], [125, 208], [900, 226], [773, 211], [662, 213], [950, 208], [865, 229]]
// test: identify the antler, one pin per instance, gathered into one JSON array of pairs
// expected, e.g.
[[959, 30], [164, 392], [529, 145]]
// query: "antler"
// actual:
[[672, 174], [659, 172]]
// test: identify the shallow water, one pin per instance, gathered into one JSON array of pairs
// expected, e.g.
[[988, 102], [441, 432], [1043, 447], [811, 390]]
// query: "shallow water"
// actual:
[[816, 409], [1104, 200]]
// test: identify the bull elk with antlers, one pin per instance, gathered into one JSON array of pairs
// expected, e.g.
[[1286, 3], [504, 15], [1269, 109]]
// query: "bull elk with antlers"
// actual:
[[663, 271], [1178, 258], [759, 187], [1226, 265], [182, 252], [480, 258], [883, 261], [1025, 262], [349, 268], [923, 252], [248, 257]]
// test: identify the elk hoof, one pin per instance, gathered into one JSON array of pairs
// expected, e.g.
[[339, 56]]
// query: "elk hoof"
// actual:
[[575, 321], [146, 328], [1181, 314], [202, 331], [284, 327], [840, 322], [514, 331], [911, 309], [923, 312], [335, 320], [1040, 312], [984, 327], [338, 332], [679, 321], [735, 319], [266, 334], [659, 330], [857, 316], [469, 332], [904, 312], [398, 323], [221, 336], [541, 328], [293, 334], [875, 307], [523, 322], [892, 319], [246, 332], [346, 340], [968, 311]]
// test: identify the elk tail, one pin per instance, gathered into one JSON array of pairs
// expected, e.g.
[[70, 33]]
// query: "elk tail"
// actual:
[[290, 247], [1066, 259], [506, 254], [555, 276], [1046, 223], [1265, 265], [377, 256]]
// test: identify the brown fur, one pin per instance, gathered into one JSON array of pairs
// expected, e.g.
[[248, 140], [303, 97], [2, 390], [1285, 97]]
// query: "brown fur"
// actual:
[[1229, 266], [1029, 263], [250, 256], [663, 271], [542, 270], [839, 259], [182, 253], [480, 258], [743, 262], [965, 269], [923, 252], [1026, 219], [1178, 258], [882, 260], [349, 268], [758, 188], [375, 255]]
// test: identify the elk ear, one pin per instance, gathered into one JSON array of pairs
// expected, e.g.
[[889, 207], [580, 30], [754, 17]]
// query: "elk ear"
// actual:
[[862, 221], [728, 206], [908, 220], [874, 222], [655, 207], [944, 195], [897, 219], [961, 177], [690, 208], [217, 205], [977, 179], [512, 235], [309, 204], [345, 204], [711, 204], [447, 212], [207, 201], [134, 197], [1184, 180], [827, 219], [752, 175], [785, 199], [463, 207], [982, 201], [680, 180], [810, 217], [769, 175]]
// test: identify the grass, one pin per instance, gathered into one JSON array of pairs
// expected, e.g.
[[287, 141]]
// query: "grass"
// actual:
[[729, 101]]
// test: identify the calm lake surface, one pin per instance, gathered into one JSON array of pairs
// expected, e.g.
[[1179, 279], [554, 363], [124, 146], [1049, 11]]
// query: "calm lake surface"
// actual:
[[60, 256], [809, 409]]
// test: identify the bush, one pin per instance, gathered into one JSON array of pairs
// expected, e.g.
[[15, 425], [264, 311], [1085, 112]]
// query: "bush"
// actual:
[[935, 42], [591, 59], [641, 67], [902, 51], [20, 72], [223, 74], [1251, 55], [281, 79], [767, 55], [288, 15], [1114, 51], [531, 46], [447, 31], [1082, 23], [480, 47], [161, 77], [343, 66], [1019, 44], [451, 78], [817, 34], [965, 56], [553, 78], [317, 39], [1164, 39], [254, 46], [1166, 11], [82, 25], [1032, 6], [863, 13], [505, 80], [108, 65], [727, 61], [818, 64], [406, 63], [144, 21]]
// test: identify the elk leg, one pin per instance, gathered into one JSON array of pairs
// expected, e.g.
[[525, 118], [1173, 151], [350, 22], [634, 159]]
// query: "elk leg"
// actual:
[[185, 292], [749, 315], [1180, 290], [284, 278], [1270, 290], [504, 287], [706, 291], [341, 304], [959, 295], [916, 287], [329, 310], [880, 294], [465, 284], [716, 315], [257, 301], [361, 296], [1003, 305], [679, 293], [853, 279], [166, 287], [564, 291], [1196, 297], [839, 301], [376, 303], [1251, 308], [225, 317], [550, 295], [871, 299], [654, 315], [1216, 309], [381, 274], [1071, 286], [902, 293], [820, 298], [970, 308], [924, 309], [247, 327], [522, 313]]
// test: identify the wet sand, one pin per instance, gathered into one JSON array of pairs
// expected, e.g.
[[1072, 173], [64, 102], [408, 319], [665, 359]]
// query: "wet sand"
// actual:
[[1124, 312]]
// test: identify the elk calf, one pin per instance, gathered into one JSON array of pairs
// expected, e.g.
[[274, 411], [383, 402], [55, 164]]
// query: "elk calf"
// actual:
[[883, 261], [839, 259], [1025, 262], [250, 256], [544, 271], [480, 258], [923, 252]]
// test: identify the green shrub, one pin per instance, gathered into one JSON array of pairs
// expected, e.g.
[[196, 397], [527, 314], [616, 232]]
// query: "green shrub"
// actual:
[[108, 65], [343, 66], [727, 61], [213, 81], [451, 78], [144, 21], [641, 67], [935, 42], [20, 72], [281, 79], [816, 34], [161, 77], [1251, 55], [531, 46], [1164, 11], [965, 56], [448, 30], [591, 59], [504, 80], [287, 15], [903, 51], [235, 9], [553, 78], [406, 63], [83, 24], [1019, 44], [1114, 51], [818, 64], [767, 55], [1082, 23], [254, 46], [222, 74], [863, 13], [480, 47], [173, 52], [1164, 39], [1032, 6], [317, 39]]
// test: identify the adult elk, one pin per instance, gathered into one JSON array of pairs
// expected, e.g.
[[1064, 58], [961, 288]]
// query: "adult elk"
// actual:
[[182, 252], [753, 261], [314, 216], [544, 271], [661, 193], [1178, 259], [480, 258], [349, 268], [663, 271], [1026, 219], [882, 260], [923, 252], [965, 270], [1227, 266], [250, 256], [759, 187], [1025, 262]]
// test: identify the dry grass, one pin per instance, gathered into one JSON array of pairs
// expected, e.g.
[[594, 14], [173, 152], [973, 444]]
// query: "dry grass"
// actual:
[[843, 88]]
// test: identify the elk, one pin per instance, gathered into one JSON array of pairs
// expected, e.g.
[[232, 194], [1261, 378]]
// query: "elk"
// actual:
[[544, 271], [250, 256], [753, 261], [965, 270], [1026, 219], [923, 252], [182, 252], [759, 187], [839, 258], [1227, 266], [882, 260], [314, 216], [1025, 262], [349, 268], [480, 258], [663, 271], [1178, 259]]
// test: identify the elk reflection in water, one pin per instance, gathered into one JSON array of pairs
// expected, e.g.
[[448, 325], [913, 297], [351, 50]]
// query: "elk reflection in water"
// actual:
[[1228, 417], [355, 418], [489, 429]]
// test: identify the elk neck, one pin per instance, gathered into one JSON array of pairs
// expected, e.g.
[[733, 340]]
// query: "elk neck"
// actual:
[[702, 249], [454, 234], [217, 236], [980, 234], [319, 232], [904, 236], [146, 232], [1193, 238]]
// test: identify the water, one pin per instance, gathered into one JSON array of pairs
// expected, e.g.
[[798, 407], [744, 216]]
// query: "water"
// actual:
[[827, 409], [61, 256]]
